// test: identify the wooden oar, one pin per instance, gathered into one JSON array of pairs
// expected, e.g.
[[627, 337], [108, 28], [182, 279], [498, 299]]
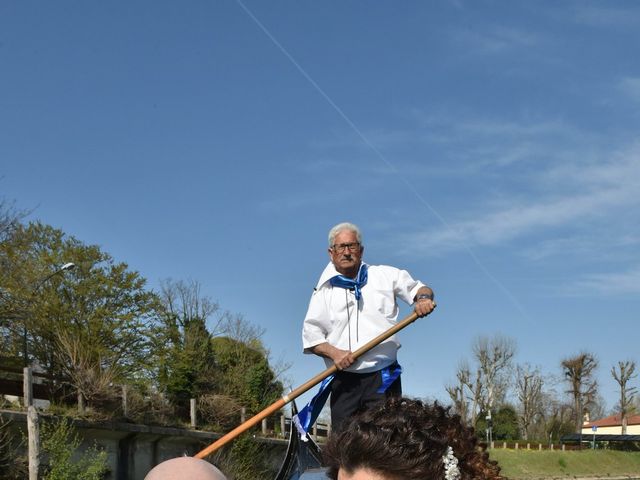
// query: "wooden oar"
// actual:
[[277, 405]]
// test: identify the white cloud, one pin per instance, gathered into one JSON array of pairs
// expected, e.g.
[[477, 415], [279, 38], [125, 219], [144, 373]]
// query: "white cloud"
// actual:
[[496, 40], [607, 16], [585, 244], [607, 283], [599, 191], [630, 86]]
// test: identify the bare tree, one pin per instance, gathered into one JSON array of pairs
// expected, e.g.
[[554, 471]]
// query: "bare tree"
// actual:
[[579, 372], [90, 375], [622, 375], [494, 356], [529, 390], [457, 392], [235, 326], [184, 302], [10, 217], [473, 394]]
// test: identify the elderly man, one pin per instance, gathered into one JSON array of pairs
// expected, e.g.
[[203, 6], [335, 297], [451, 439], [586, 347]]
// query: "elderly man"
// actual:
[[353, 303]]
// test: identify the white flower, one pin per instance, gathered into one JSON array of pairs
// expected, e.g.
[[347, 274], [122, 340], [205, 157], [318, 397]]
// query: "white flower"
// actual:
[[451, 470]]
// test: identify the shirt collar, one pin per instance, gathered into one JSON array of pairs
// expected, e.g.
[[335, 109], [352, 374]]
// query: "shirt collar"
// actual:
[[329, 272]]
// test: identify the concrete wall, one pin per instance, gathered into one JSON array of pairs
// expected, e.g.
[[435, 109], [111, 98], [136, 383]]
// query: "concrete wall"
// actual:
[[134, 449]]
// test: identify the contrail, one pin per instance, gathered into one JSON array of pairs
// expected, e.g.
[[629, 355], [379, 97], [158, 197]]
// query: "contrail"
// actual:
[[379, 154]]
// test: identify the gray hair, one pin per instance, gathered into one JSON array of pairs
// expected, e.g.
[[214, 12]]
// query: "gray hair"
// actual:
[[341, 227]]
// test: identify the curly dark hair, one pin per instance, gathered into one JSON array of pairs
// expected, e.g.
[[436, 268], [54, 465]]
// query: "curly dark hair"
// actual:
[[407, 439]]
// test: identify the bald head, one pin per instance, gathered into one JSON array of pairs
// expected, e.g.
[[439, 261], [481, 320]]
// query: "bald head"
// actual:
[[187, 468]]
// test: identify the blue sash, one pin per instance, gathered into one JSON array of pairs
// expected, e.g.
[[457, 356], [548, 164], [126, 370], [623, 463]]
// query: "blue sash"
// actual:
[[309, 414], [389, 375]]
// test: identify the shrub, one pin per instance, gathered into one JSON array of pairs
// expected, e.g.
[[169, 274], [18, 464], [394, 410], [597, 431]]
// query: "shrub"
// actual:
[[59, 443], [219, 411]]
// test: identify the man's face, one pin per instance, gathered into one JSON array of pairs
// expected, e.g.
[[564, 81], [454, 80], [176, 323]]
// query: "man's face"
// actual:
[[347, 261]]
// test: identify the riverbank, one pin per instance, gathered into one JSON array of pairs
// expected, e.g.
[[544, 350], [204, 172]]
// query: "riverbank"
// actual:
[[577, 464]]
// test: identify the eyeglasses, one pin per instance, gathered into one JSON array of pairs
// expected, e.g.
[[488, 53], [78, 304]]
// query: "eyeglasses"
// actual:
[[342, 247]]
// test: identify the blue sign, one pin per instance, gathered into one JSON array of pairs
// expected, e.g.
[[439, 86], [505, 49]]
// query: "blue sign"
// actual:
[[594, 428]]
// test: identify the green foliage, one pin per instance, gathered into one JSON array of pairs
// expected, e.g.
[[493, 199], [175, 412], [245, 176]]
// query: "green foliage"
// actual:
[[247, 460], [505, 424], [59, 443], [83, 323], [557, 428], [98, 326], [192, 362], [184, 358], [244, 373], [189, 365], [12, 465]]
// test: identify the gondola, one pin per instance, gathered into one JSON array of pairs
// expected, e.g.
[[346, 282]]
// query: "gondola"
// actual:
[[303, 460]]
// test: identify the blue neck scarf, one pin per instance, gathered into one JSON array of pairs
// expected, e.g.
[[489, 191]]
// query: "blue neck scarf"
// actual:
[[351, 284]]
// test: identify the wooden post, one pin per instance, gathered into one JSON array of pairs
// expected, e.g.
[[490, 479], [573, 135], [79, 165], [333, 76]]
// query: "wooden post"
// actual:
[[33, 430], [192, 405], [81, 406], [243, 414], [315, 431], [33, 433], [552, 447], [27, 386], [540, 447], [282, 427], [125, 408], [563, 447], [264, 427], [517, 445], [528, 446]]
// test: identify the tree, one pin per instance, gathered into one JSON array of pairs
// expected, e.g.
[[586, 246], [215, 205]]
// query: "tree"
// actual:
[[101, 306], [457, 391], [494, 357], [559, 421], [466, 394], [622, 375], [579, 372], [10, 218], [473, 394], [185, 357], [529, 391], [505, 423], [242, 357]]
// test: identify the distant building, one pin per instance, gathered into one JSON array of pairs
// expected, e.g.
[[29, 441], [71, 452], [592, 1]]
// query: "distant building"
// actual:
[[613, 425]]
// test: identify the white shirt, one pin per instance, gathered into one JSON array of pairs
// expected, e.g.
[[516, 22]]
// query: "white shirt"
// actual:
[[333, 317]]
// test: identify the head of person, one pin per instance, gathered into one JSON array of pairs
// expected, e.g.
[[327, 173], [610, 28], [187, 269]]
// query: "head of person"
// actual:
[[185, 468], [407, 439], [345, 248]]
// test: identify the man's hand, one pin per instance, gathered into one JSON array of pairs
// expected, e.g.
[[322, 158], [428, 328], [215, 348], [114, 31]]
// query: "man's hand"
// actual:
[[341, 358], [424, 302]]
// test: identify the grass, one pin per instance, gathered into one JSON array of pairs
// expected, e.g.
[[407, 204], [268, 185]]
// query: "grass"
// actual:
[[533, 464]]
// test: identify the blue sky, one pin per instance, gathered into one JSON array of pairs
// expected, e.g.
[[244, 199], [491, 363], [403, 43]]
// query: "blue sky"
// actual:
[[489, 147]]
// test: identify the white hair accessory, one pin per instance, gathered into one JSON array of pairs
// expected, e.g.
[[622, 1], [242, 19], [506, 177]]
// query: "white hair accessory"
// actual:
[[451, 470]]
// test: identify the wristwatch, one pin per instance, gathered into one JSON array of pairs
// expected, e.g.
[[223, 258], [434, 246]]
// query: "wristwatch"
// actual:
[[425, 295]]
